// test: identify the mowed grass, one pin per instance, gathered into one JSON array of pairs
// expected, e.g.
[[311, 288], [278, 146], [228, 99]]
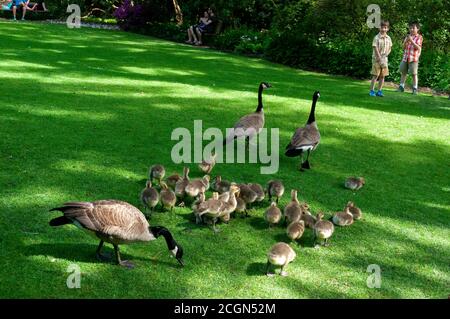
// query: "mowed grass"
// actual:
[[84, 113]]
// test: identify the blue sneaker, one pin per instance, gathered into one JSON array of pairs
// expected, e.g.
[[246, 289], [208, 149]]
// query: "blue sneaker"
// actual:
[[380, 93], [372, 93]]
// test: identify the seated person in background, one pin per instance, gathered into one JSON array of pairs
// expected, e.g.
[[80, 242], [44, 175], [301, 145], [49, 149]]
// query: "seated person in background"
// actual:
[[202, 24], [6, 5], [24, 5], [207, 28]]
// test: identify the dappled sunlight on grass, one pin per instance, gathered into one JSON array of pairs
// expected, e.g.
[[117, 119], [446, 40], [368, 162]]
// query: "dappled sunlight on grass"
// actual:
[[99, 108]]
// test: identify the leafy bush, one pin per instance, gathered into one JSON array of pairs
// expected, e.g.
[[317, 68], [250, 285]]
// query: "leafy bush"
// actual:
[[129, 15], [168, 31], [243, 41]]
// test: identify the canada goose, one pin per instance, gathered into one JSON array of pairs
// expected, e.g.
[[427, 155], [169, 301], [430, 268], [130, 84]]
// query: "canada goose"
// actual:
[[247, 195], [272, 214], [197, 186], [230, 204], [292, 211], [206, 166], [172, 180], [280, 254], [305, 138], [241, 207], [355, 211], [114, 222], [258, 190], [309, 220], [323, 229], [211, 208], [195, 207], [180, 186], [168, 197], [343, 218], [225, 196], [219, 185], [158, 172], [251, 124], [295, 230], [149, 196], [275, 188], [354, 183]]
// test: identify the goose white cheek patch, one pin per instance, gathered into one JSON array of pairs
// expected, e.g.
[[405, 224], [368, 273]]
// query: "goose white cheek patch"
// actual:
[[174, 251]]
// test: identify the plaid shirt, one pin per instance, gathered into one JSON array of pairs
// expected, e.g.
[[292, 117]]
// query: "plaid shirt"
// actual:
[[411, 53], [384, 45]]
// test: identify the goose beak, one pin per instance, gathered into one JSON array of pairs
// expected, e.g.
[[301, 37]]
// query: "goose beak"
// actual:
[[181, 262]]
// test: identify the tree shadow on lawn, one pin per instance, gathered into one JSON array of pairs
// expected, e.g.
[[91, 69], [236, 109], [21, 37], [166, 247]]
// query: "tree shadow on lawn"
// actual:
[[403, 151]]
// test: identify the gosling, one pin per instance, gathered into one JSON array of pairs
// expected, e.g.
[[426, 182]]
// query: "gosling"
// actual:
[[280, 254], [272, 215]]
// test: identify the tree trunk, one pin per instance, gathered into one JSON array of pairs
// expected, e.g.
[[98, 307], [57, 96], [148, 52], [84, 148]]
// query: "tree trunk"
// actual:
[[178, 13]]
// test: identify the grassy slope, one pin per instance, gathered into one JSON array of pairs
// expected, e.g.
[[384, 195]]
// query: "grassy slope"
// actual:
[[83, 113]]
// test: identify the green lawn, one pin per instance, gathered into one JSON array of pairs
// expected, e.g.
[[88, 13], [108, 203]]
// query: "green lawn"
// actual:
[[84, 113]]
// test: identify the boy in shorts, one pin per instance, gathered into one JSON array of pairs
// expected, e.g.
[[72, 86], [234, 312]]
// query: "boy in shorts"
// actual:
[[412, 48], [381, 45]]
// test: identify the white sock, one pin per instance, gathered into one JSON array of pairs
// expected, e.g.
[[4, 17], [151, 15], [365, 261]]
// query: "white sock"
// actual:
[[402, 85]]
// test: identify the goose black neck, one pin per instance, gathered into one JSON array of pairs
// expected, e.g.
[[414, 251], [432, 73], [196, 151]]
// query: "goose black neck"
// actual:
[[260, 104], [162, 231], [312, 116]]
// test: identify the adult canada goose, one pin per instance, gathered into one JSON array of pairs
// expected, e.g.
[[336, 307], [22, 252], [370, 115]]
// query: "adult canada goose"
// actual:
[[275, 188], [343, 218], [305, 139], [355, 211], [149, 196], [251, 124], [258, 190], [172, 180], [309, 219], [167, 196], [292, 211], [197, 186], [280, 254], [295, 230], [114, 222], [323, 229], [206, 166], [180, 186], [219, 185], [354, 183], [158, 172], [272, 215]]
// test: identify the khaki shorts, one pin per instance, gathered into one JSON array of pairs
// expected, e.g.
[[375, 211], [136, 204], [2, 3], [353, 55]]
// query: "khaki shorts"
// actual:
[[409, 67], [377, 70]]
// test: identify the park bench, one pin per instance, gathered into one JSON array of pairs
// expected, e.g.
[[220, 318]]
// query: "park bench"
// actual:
[[208, 36]]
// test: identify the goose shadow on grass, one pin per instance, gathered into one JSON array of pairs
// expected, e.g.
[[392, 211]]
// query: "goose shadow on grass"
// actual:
[[256, 269], [86, 253], [306, 241]]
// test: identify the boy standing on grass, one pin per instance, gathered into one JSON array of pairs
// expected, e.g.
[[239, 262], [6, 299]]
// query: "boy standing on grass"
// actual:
[[412, 48], [381, 45]]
